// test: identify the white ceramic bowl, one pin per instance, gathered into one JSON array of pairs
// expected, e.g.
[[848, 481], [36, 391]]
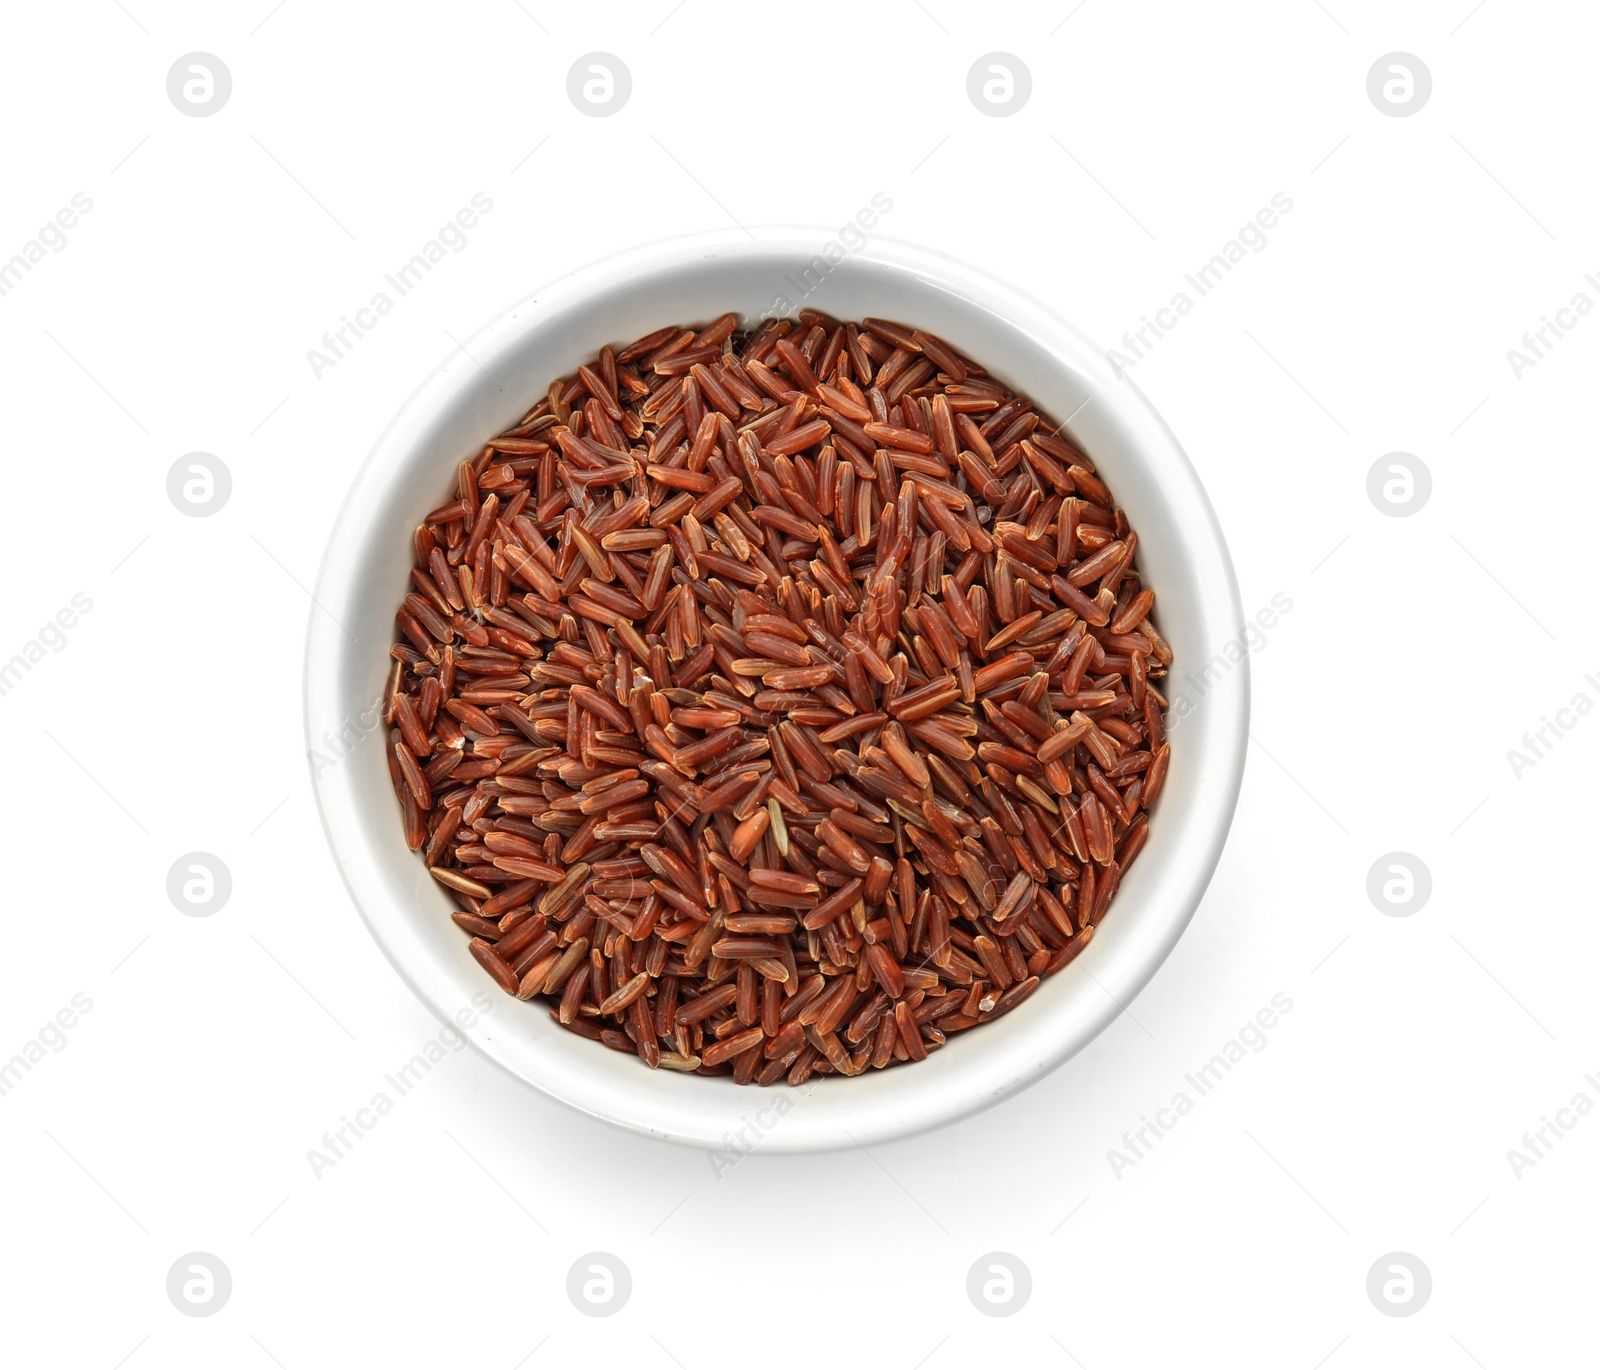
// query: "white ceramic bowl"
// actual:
[[471, 397]]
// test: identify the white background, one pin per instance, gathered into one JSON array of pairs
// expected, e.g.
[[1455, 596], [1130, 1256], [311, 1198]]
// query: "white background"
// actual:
[[1378, 1117]]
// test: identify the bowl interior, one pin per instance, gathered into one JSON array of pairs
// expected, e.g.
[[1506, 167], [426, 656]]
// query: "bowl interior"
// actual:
[[488, 386]]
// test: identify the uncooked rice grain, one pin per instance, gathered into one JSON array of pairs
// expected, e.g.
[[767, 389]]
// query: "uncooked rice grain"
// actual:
[[777, 703]]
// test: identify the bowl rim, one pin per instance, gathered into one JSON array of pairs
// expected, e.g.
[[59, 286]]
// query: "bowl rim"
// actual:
[[1220, 732]]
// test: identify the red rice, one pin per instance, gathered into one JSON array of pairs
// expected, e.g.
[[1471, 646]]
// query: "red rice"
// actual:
[[777, 703]]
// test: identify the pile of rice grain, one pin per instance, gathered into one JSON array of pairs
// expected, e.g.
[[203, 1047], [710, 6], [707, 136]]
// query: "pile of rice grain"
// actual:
[[780, 703]]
